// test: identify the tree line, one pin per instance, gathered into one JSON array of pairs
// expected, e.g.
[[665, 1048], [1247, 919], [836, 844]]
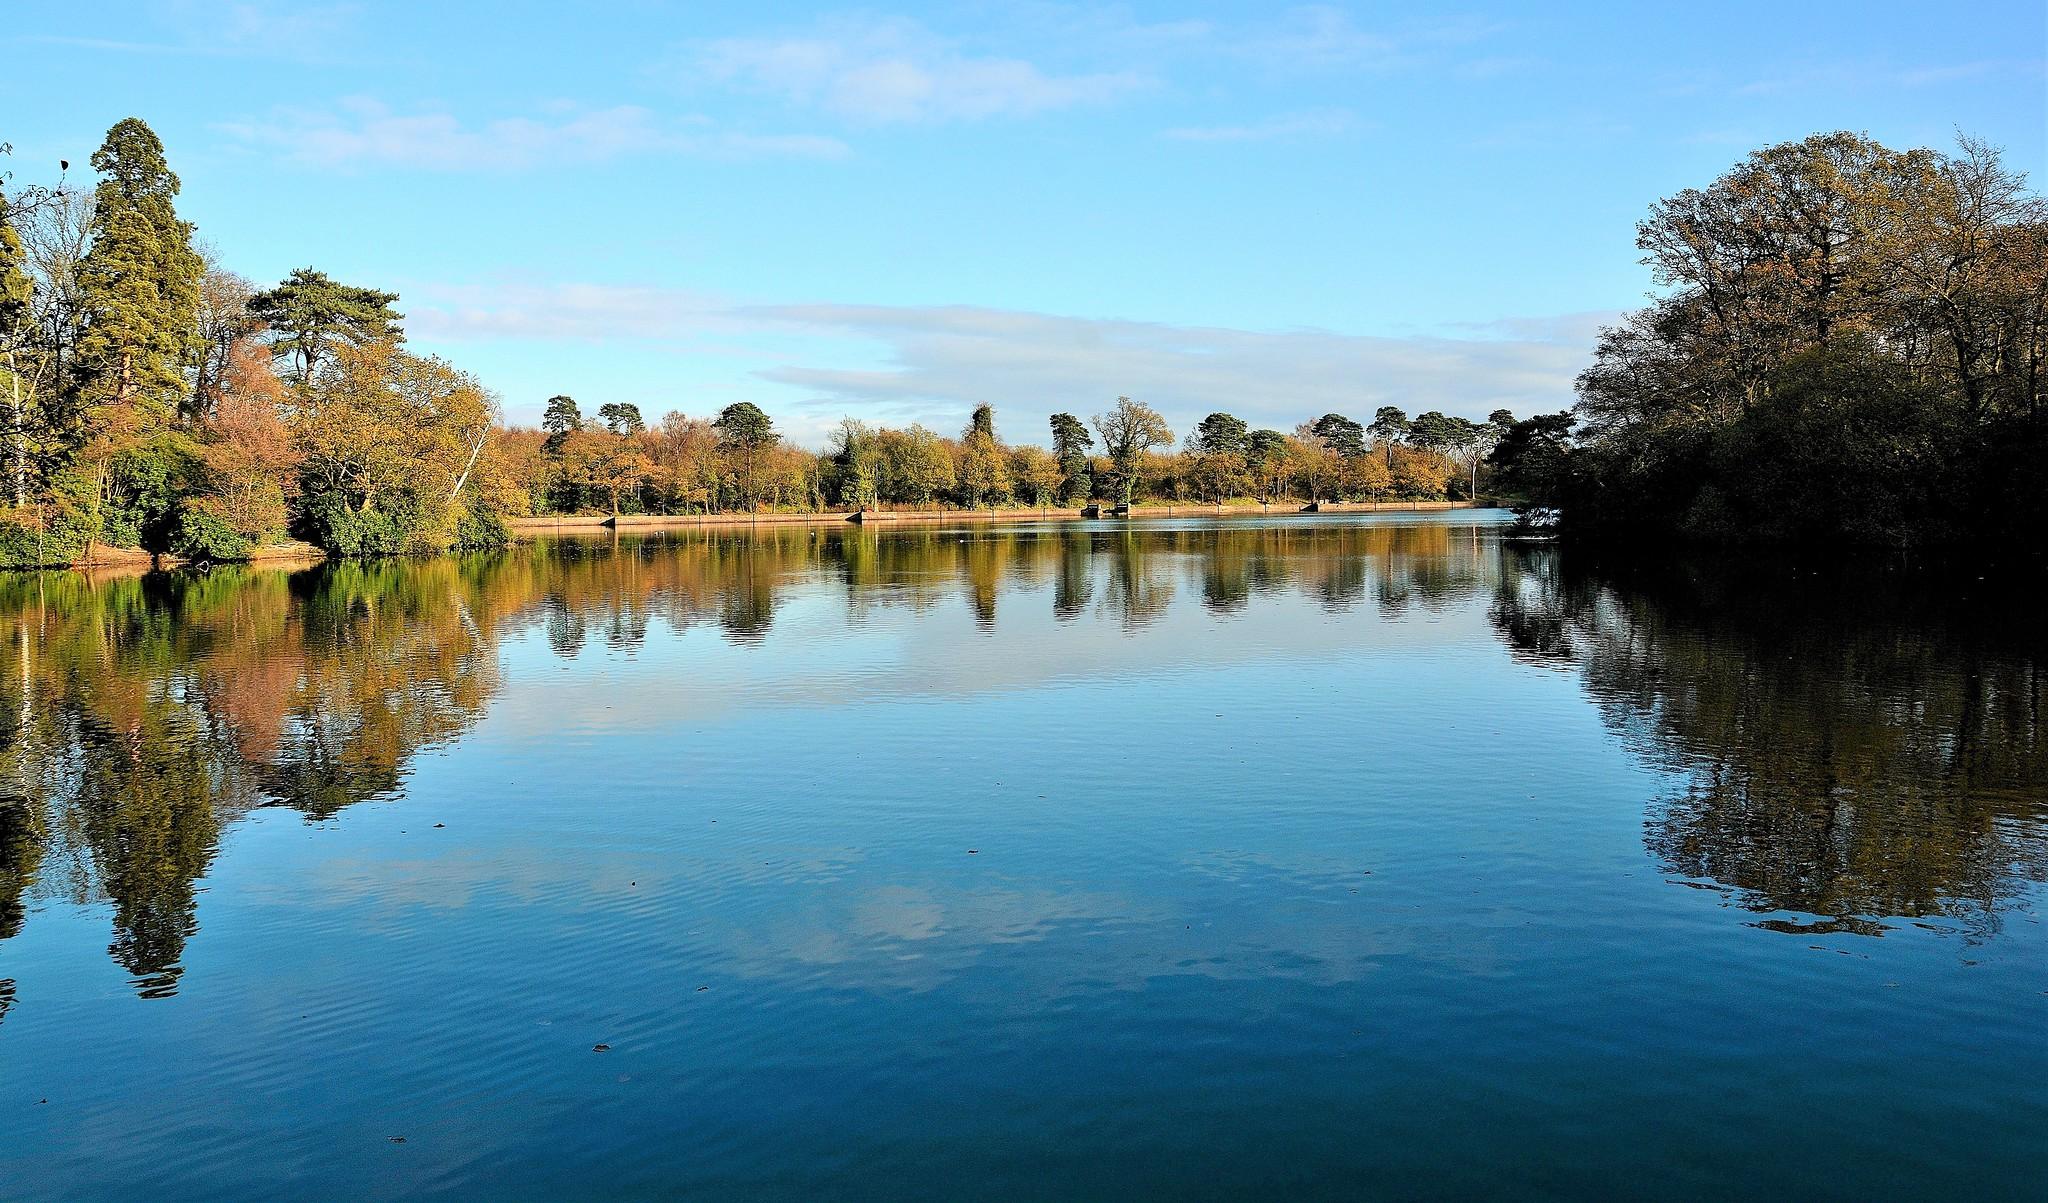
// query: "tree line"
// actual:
[[1849, 347], [153, 401], [614, 461]]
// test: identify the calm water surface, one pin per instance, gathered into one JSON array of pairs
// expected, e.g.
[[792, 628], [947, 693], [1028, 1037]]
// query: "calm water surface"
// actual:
[[1341, 858]]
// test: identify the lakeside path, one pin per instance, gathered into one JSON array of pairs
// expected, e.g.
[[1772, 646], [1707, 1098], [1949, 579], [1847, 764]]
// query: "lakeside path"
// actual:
[[592, 523]]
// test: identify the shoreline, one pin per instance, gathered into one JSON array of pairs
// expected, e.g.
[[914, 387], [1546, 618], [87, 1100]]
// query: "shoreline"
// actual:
[[103, 559], [593, 523]]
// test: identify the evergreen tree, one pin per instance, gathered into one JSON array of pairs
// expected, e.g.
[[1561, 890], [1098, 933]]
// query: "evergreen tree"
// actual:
[[1340, 434], [744, 432], [622, 418], [308, 313], [561, 420], [140, 281], [1221, 434], [1070, 445], [1389, 426]]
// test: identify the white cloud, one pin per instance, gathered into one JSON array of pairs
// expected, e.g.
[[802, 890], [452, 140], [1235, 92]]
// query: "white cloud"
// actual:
[[1320, 123], [933, 364], [940, 361], [562, 312], [883, 70], [364, 131]]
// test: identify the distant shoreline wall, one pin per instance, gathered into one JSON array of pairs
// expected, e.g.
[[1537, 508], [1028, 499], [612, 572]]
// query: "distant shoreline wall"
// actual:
[[592, 523], [127, 560]]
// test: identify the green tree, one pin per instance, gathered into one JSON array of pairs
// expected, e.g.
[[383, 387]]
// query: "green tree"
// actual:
[[1216, 456], [1266, 457], [561, 420], [622, 418], [309, 313], [918, 466], [745, 433], [1340, 435], [982, 422], [1220, 433], [1071, 443], [1433, 431], [1389, 426], [140, 280]]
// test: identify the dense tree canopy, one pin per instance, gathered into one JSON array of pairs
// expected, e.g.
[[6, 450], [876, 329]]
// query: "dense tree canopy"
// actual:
[[1850, 345]]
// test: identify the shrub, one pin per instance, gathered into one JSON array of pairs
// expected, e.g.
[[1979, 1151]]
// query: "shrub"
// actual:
[[204, 532]]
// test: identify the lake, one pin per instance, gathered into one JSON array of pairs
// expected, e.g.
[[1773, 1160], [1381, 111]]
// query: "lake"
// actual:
[[1376, 856]]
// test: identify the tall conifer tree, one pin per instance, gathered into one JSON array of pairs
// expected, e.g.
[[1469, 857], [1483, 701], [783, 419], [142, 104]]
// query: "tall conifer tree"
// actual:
[[140, 281]]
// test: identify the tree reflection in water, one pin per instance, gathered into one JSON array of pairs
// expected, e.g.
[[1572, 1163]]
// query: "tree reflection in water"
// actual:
[[1847, 750], [1853, 746]]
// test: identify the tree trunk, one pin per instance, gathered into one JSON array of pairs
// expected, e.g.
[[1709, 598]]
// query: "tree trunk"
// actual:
[[17, 453]]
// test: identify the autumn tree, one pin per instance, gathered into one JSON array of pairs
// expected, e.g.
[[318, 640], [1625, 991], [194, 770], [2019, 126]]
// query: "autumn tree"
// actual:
[[1035, 474], [389, 442], [1315, 465], [224, 324], [685, 471], [251, 463], [1129, 430], [613, 461], [984, 471]]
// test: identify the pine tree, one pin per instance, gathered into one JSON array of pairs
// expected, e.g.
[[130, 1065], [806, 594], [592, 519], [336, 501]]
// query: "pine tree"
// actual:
[[308, 314], [139, 283]]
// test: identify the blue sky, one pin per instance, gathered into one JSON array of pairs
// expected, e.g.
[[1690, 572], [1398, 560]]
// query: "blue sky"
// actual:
[[899, 212]]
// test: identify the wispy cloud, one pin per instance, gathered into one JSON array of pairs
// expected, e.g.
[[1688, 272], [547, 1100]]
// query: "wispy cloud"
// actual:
[[569, 312], [885, 70], [1841, 76], [211, 30], [1320, 123], [933, 364], [364, 132], [1325, 37], [939, 360]]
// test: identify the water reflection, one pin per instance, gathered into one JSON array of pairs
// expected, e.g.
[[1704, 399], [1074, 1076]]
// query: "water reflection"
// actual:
[[1843, 754], [1850, 746]]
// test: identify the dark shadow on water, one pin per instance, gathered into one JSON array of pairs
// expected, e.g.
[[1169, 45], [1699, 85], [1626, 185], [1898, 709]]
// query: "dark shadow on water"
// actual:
[[1853, 741]]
